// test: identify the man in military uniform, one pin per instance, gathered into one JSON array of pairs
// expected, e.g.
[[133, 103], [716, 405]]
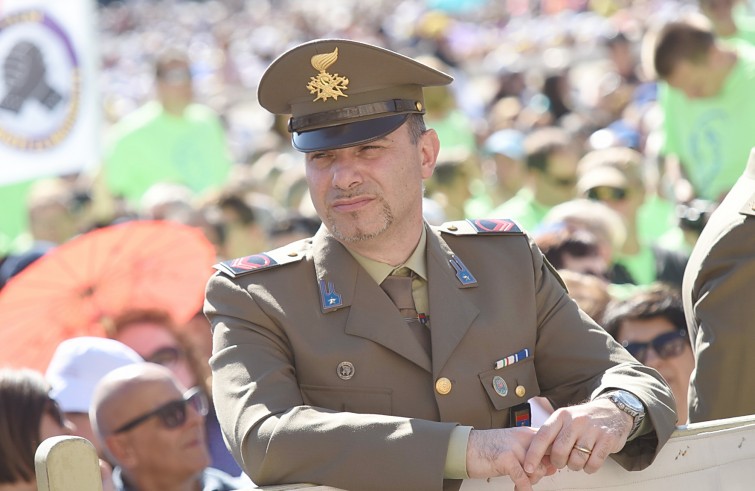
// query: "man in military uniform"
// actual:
[[324, 372], [718, 291]]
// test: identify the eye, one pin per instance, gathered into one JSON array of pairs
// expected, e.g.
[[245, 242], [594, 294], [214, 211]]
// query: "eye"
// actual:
[[370, 149], [319, 158]]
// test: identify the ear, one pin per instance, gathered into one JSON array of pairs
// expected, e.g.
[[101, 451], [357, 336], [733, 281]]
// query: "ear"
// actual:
[[121, 449], [429, 146]]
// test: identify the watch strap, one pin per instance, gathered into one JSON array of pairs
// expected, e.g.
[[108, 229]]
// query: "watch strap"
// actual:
[[621, 399]]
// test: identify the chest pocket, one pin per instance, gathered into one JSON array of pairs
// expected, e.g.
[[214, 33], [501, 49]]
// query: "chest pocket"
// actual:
[[511, 385], [353, 399]]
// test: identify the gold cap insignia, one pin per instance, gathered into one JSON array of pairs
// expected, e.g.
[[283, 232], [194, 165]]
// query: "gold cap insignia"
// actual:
[[324, 84]]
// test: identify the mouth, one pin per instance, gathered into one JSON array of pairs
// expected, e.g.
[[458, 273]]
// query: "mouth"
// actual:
[[345, 205], [197, 442]]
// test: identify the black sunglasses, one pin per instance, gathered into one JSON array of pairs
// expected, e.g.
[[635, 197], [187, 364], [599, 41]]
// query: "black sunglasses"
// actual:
[[172, 414], [606, 193], [666, 345]]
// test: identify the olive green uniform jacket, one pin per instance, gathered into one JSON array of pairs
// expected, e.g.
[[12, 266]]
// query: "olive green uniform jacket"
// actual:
[[719, 304], [291, 414]]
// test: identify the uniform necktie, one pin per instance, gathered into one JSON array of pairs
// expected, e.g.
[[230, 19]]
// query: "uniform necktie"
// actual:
[[399, 290]]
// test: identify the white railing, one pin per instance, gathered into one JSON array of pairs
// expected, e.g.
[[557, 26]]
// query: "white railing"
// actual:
[[716, 455]]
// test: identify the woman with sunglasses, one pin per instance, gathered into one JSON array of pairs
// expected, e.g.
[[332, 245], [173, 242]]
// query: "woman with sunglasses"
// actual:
[[29, 416], [650, 324]]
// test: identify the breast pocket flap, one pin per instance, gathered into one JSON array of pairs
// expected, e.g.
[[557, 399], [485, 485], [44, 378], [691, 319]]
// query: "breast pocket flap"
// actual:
[[511, 385]]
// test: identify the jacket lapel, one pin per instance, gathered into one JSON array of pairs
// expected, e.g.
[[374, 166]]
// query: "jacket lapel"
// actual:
[[373, 316], [451, 311]]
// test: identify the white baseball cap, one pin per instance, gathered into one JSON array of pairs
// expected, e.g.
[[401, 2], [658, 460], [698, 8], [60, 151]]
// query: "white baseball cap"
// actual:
[[77, 366]]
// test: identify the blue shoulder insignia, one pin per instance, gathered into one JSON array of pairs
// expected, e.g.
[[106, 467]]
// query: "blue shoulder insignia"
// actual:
[[257, 262], [482, 226]]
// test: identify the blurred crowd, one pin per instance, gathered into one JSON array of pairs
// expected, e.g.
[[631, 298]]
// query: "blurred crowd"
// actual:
[[554, 120]]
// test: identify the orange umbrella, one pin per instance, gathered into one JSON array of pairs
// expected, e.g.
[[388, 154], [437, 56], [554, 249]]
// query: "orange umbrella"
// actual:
[[74, 288]]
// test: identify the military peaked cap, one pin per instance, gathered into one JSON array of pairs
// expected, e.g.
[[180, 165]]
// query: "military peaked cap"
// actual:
[[342, 93]]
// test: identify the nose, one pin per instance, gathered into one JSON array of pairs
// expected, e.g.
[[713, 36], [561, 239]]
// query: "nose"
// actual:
[[346, 173]]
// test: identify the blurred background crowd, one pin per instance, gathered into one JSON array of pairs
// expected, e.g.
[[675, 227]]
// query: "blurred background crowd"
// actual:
[[555, 119]]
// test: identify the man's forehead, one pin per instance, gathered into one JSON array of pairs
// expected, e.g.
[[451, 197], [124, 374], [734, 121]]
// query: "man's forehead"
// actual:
[[148, 393]]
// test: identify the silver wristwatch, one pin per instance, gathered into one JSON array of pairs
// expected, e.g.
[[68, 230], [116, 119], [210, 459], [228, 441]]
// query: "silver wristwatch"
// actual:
[[630, 404]]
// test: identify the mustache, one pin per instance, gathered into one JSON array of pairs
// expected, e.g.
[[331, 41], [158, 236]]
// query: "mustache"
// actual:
[[352, 193]]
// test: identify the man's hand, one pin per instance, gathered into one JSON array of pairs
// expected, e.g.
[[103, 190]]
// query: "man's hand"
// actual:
[[500, 452], [580, 437]]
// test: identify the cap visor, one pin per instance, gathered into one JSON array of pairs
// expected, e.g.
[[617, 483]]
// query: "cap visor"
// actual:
[[346, 135], [602, 177]]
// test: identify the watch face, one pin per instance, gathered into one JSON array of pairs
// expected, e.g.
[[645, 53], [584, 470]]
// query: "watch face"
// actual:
[[630, 400]]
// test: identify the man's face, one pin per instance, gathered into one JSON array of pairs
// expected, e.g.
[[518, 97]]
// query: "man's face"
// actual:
[[509, 172], [155, 343], [174, 87], [156, 452], [624, 200], [696, 80], [373, 190], [558, 182]]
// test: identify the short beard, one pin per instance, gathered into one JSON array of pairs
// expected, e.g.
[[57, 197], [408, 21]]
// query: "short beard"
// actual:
[[359, 235]]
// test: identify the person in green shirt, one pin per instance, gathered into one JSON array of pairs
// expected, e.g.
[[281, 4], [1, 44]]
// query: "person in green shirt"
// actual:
[[706, 98], [551, 159], [171, 139], [615, 177]]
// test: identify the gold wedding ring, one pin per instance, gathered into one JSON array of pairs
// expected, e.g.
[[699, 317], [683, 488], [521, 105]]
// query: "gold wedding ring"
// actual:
[[583, 449]]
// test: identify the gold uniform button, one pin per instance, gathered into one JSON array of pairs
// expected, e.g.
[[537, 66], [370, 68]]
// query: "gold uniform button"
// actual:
[[520, 390], [292, 254], [453, 228], [443, 386]]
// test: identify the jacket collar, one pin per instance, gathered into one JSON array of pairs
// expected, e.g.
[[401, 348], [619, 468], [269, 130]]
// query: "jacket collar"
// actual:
[[376, 318]]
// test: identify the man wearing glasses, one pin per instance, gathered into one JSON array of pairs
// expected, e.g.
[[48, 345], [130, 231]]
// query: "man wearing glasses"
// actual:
[[551, 158], [153, 431]]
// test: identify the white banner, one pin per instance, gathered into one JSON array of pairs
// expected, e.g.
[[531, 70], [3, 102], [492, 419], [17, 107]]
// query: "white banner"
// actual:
[[49, 103]]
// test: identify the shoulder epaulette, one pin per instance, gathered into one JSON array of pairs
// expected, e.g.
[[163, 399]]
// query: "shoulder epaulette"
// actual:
[[749, 207], [258, 262], [482, 226]]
